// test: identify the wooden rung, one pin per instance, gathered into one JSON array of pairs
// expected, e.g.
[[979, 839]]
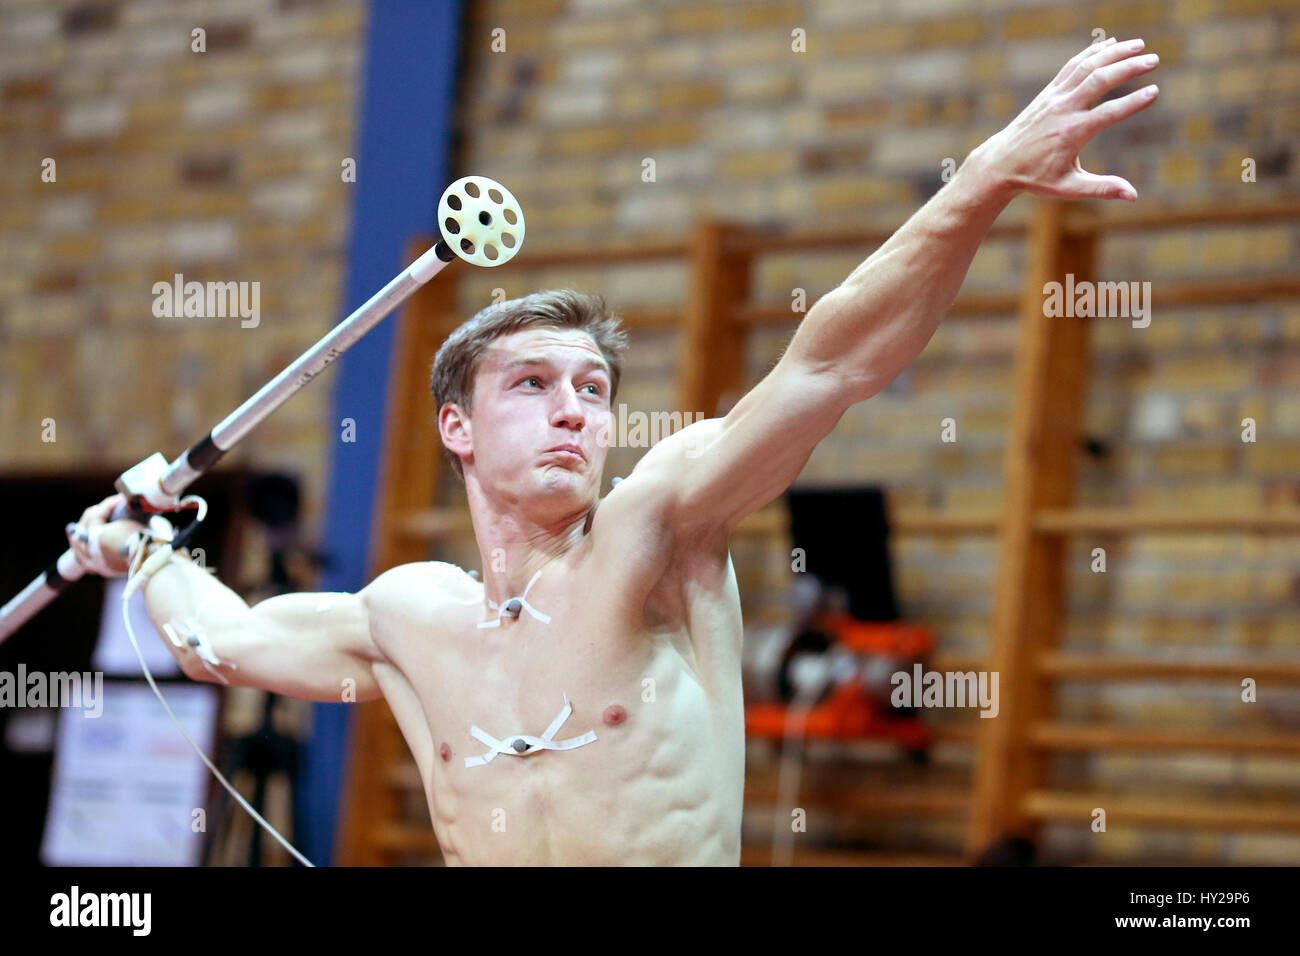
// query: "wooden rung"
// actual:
[[763, 241], [650, 318], [775, 519], [437, 523], [1069, 520], [966, 305], [1128, 810], [1169, 293], [761, 791], [1050, 736], [1082, 223], [598, 255], [1077, 666]]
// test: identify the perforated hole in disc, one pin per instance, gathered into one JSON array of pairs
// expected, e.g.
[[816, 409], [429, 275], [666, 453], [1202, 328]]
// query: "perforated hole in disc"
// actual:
[[481, 221]]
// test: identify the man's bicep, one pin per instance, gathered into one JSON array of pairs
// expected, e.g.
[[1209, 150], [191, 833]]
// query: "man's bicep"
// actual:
[[311, 646], [719, 470]]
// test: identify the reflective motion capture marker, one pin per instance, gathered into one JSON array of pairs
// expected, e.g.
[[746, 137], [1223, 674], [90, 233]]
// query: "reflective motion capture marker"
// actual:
[[481, 221], [525, 745]]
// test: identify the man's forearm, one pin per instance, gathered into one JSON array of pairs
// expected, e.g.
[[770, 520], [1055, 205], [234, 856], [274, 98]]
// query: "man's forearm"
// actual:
[[870, 328], [184, 591]]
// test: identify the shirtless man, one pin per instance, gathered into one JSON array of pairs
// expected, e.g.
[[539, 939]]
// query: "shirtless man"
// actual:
[[625, 607]]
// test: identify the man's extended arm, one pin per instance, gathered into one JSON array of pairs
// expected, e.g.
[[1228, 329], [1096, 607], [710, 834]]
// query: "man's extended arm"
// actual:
[[858, 337]]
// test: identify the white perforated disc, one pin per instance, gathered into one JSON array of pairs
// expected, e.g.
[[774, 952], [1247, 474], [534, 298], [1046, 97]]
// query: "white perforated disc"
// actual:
[[481, 221]]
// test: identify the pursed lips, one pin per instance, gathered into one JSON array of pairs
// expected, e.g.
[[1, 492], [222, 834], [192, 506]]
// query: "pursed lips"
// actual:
[[572, 450]]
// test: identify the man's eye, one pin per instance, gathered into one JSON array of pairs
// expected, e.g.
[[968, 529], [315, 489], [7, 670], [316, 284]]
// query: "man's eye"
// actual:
[[593, 385], [530, 379]]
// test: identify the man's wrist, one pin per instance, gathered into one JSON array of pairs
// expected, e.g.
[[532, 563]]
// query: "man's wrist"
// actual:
[[985, 180]]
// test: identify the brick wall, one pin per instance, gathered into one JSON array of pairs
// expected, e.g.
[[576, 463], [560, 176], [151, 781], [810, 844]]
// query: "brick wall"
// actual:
[[222, 165]]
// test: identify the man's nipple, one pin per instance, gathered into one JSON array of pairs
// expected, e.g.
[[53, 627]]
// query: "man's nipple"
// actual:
[[445, 752], [614, 715]]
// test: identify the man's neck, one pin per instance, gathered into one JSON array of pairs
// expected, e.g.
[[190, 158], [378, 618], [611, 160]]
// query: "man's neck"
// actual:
[[514, 546]]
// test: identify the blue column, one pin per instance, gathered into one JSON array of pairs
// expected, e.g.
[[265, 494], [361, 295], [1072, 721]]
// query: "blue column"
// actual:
[[402, 150]]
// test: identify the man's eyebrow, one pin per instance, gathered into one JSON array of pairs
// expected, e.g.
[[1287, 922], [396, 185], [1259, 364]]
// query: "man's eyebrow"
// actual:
[[593, 363]]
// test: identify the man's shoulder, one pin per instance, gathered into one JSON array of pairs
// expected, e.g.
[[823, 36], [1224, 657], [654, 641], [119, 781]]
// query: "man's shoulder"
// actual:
[[641, 505], [418, 584]]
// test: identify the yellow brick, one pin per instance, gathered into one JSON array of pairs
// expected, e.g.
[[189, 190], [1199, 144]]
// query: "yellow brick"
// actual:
[[1187, 460], [263, 165], [1194, 11], [1204, 372], [1207, 332], [882, 38], [1286, 414], [1039, 22], [570, 215], [757, 164], [1119, 842], [569, 34], [1240, 82], [950, 461], [1233, 8], [689, 95], [861, 117], [1181, 169], [1205, 416], [762, 88], [988, 67], [672, 132], [1255, 408], [699, 19], [786, 15], [587, 139], [1160, 335], [127, 210], [1278, 586], [851, 193], [1213, 498], [79, 246], [1172, 253], [974, 499], [522, 8], [634, 100], [949, 31], [1119, 19], [1272, 458]]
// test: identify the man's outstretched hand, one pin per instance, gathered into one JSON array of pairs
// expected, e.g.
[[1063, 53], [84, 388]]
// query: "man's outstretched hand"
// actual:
[[1039, 151]]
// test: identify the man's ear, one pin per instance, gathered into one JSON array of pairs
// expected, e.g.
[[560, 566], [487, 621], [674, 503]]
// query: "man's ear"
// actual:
[[455, 429]]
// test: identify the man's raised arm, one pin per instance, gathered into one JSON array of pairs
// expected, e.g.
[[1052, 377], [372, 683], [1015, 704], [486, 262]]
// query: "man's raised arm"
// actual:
[[858, 337]]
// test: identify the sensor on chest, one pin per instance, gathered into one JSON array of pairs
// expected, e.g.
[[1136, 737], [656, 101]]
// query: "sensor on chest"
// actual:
[[523, 745]]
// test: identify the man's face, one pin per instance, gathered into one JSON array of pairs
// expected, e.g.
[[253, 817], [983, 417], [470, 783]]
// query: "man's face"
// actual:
[[537, 390]]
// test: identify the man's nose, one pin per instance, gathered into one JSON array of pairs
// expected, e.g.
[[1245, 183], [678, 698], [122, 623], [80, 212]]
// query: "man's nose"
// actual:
[[569, 410]]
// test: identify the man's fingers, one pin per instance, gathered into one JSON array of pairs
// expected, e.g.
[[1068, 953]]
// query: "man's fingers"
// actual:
[[1079, 57], [1106, 78], [1086, 185], [1112, 111], [1103, 57]]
